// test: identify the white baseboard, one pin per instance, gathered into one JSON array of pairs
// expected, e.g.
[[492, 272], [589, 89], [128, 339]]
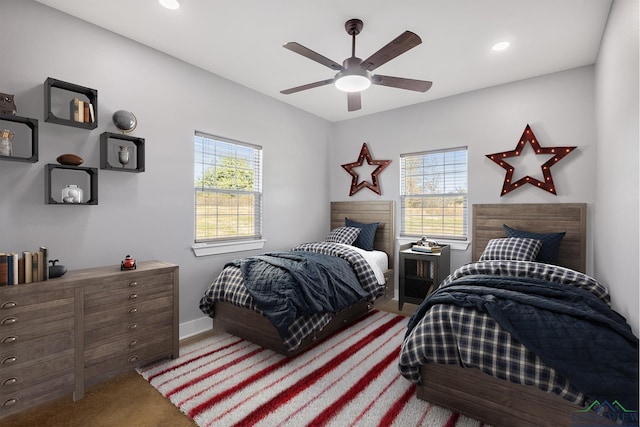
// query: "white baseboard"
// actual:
[[195, 327]]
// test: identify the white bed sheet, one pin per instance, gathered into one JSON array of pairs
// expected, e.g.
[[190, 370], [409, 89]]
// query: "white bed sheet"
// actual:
[[378, 260]]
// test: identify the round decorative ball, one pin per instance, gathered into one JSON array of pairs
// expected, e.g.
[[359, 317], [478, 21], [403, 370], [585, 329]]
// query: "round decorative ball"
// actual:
[[70, 159], [124, 120]]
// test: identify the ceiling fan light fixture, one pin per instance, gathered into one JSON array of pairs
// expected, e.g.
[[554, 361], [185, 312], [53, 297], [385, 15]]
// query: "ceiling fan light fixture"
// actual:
[[170, 4], [352, 82]]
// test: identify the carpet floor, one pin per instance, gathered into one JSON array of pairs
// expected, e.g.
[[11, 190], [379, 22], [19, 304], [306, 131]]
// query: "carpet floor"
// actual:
[[350, 379]]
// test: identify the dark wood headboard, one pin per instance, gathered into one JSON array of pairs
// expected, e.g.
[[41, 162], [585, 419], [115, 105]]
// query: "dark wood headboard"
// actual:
[[537, 218], [366, 212]]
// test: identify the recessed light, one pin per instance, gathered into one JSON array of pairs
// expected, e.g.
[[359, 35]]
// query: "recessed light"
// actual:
[[500, 46], [170, 4]]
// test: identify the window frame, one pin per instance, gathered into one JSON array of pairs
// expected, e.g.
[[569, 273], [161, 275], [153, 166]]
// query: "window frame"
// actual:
[[212, 245], [422, 155]]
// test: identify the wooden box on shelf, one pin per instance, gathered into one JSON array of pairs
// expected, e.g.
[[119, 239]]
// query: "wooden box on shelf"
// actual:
[[91, 95], [109, 141], [92, 198], [32, 124]]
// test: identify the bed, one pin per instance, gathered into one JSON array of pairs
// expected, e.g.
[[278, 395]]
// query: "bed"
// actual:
[[439, 371], [240, 316]]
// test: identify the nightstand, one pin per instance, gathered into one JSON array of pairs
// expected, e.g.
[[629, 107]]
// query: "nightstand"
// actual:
[[420, 273]]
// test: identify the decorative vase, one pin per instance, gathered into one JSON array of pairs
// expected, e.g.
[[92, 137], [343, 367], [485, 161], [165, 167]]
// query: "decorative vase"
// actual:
[[72, 194], [6, 140], [123, 155]]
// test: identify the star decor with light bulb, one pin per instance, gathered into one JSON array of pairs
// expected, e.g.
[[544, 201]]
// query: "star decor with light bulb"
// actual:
[[374, 185], [528, 136]]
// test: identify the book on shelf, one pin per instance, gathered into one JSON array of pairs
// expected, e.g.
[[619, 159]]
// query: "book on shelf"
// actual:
[[12, 267], [20, 270], [4, 269], [85, 115], [74, 112], [45, 262], [92, 114], [28, 266], [34, 266]]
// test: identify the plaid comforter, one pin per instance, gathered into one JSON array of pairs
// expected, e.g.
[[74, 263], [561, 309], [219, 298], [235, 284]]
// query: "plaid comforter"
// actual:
[[450, 334], [229, 286]]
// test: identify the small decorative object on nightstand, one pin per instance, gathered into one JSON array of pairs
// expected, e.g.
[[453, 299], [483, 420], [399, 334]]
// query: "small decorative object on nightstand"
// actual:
[[421, 272], [128, 264]]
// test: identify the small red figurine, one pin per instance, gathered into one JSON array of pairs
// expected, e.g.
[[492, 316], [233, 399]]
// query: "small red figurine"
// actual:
[[128, 264]]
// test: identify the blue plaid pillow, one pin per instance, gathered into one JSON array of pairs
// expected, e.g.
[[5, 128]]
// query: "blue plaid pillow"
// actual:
[[367, 234], [344, 235], [550, 243], [511, 248]]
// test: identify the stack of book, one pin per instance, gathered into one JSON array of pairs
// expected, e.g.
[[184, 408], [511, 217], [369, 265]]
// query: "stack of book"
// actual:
[[81, 111], [27, 267], [427, 249]]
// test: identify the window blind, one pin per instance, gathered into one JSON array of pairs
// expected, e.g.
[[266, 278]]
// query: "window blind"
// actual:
[[433, 193], [228, 189]]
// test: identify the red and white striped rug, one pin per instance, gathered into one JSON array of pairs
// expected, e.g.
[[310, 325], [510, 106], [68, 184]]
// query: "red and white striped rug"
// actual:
[[350, 379]]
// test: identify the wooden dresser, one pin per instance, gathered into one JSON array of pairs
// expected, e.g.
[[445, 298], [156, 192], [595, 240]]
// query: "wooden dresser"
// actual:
[[61, 335]]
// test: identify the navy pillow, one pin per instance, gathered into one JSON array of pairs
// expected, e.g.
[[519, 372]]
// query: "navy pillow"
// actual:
[[367, 234], [511, 248], [550, 243]]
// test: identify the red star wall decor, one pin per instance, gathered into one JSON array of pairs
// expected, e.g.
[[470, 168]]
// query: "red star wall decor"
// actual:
[[374, 185], [528, 136]]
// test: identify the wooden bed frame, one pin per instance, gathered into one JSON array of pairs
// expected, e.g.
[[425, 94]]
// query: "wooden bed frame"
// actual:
[[481, 396], [255, 327]]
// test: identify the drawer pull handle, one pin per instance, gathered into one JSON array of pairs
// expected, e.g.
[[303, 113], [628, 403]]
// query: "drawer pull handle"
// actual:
[[9, 321], [9, 339], [10, 359], [133, 359], [133, 326], [133, 296], [133, 310], [9, 304], [132, 284], [10, 402], [133, 343], [10, 381]]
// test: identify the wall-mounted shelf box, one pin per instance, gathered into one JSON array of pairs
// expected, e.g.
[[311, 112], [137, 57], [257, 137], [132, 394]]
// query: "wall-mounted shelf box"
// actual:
[[90, 94], [32, 124], [91, 198], [108, 140]]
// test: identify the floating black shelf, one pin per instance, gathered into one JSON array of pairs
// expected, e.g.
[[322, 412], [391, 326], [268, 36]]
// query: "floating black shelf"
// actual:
[[93, 184], [31, 124], [90, 94], [106, 148]]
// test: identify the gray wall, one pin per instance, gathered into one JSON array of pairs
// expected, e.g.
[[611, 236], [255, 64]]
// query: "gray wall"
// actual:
[[150, 215], [559, 108], [147, 215], [616, 230]]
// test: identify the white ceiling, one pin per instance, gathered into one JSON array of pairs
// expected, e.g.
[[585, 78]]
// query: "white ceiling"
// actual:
[[242, 40]]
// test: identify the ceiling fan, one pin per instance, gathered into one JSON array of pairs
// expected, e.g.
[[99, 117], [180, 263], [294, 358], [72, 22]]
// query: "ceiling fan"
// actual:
[[354, 75]]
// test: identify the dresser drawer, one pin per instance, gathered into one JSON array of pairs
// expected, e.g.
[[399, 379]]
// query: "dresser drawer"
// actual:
[[126, 295], [129, 328], [34, 303], [14, 353], [28, 397], [22, 330], [129, 280], [36, 371], [126, 313], [128, 344]]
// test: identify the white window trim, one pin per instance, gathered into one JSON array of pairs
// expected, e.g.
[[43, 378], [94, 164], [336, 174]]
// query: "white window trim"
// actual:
[[205, 249]]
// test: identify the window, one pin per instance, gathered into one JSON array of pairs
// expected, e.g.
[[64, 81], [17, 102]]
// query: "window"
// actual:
[[228, 190], [433, 194]]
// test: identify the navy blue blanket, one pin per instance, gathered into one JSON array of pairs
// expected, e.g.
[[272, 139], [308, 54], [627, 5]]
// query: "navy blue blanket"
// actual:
[[570, 329], [285, 285]]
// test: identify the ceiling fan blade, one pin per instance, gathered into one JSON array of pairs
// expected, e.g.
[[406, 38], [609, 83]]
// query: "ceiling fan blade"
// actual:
[[314, 56], [307, 86], [353, 101], [394, 48], [401, 83]]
